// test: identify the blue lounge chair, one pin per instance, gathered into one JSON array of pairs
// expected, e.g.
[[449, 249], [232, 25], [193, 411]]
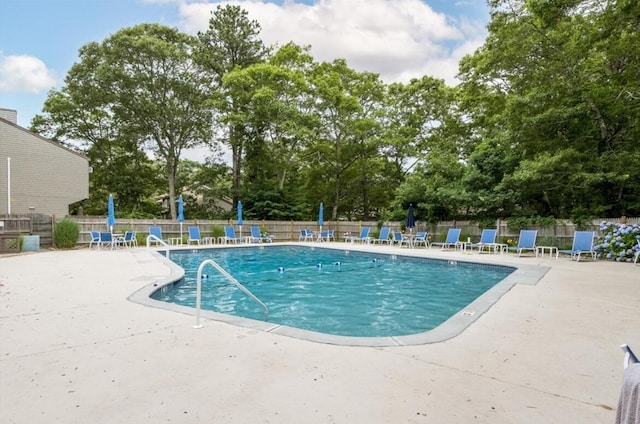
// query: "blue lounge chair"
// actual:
[[95, 239], [194, 235], [255, 236], [155, 235], [364, 235], [635, 258], [230, 235], [305, 235], [422, 237], [452, 240], [527, 241], [582, 243], [487, 240], [383, 237]]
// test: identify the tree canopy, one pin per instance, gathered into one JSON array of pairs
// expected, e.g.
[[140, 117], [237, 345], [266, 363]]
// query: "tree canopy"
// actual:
[[544, 123]]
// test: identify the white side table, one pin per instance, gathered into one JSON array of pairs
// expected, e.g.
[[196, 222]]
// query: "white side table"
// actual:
[[462, 246], [551, 249], [502, 248]]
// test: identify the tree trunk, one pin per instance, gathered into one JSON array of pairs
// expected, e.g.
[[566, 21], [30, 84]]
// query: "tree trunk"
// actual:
[[281, 180]]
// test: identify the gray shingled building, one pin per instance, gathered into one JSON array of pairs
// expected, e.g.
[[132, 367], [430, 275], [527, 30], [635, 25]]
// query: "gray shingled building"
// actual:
[[38, 175]]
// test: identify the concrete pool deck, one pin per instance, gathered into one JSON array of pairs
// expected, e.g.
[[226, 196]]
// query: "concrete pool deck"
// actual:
[[74, 349]]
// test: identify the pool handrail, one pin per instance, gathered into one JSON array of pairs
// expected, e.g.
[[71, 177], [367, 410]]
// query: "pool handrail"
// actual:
[[151, 237], [228, 277]]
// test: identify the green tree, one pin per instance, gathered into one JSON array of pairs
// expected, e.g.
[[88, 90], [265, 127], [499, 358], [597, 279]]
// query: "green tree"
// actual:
[[424, 126], [347, 105], [279, 123], [231, 41], [75, 115], [203, 186], [553, 90], [139, 87], [160, 93]]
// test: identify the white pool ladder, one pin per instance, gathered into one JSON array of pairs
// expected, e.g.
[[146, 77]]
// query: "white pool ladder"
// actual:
[[228, 277], [151, 238]]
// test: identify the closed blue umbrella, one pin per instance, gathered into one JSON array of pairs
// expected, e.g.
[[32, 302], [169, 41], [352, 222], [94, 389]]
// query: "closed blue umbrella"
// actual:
[[239, 213], [180, 209], [111, 215], [180, 214], [411, 221], [240, 218]]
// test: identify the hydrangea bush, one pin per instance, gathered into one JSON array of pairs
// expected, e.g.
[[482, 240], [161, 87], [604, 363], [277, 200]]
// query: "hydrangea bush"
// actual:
[[618, 241]]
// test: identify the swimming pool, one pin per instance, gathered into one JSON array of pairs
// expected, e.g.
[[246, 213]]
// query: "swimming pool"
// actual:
[[332, 291]]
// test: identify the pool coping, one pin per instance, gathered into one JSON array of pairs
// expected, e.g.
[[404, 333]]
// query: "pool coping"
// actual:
[[523, 274]]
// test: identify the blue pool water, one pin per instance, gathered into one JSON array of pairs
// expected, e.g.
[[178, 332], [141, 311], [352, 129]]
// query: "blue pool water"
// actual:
[[333, 291]]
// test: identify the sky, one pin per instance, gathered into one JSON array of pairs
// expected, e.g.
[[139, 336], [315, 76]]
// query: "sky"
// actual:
[[397, 39]]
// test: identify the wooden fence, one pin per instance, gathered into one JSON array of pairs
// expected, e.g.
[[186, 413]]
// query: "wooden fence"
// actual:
[[280, 230], [14, 226], [561, 234]]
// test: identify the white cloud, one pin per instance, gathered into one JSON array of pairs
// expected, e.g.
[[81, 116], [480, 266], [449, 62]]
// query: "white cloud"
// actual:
[[400, 39], [26, 74]]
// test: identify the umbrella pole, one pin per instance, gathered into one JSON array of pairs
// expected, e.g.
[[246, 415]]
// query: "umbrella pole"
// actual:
[[180, 232]]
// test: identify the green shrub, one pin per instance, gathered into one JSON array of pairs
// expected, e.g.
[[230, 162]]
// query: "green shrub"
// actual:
[[217, 231], [66, 233], [548, 241]]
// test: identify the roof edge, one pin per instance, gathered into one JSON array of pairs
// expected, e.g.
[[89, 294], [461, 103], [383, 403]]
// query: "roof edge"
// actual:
[[55, 143]]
